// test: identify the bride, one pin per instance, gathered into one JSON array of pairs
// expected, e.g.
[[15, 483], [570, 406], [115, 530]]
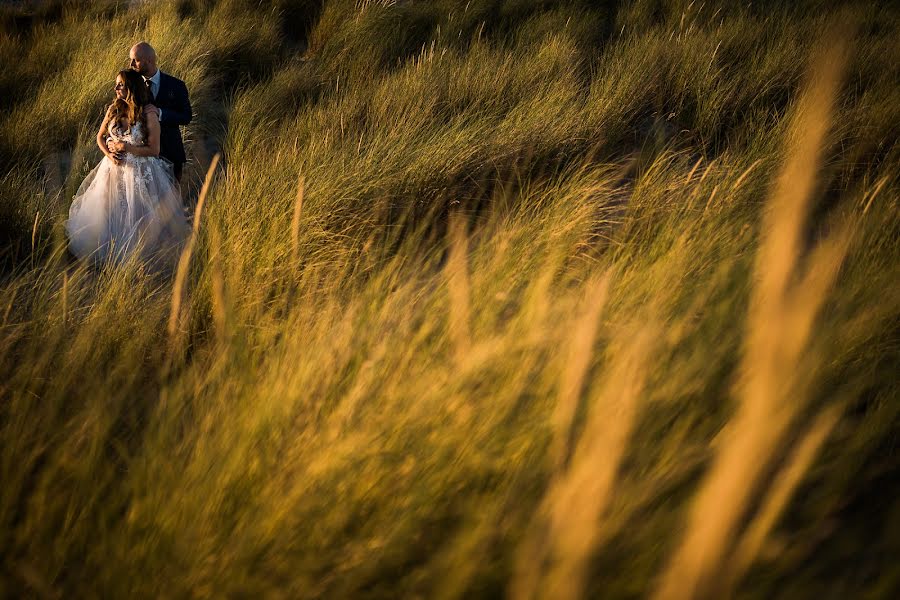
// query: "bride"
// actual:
[[130, 204]]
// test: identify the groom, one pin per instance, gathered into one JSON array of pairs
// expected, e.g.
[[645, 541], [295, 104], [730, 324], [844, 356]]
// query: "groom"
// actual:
[[170, 96]]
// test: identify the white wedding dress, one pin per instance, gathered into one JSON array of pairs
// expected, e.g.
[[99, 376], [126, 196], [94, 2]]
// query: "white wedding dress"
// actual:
[[133, 209]]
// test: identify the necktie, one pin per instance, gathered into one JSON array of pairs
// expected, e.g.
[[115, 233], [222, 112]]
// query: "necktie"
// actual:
[[150, 90]]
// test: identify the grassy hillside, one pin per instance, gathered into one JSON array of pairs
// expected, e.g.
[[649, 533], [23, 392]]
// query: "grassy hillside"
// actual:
[[499, 297]]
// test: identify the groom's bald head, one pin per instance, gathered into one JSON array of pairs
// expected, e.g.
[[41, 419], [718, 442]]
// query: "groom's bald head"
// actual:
[[143, 59]]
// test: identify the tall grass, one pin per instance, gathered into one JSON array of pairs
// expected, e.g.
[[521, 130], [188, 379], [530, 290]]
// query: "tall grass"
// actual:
[[485, 298], [781, 317]]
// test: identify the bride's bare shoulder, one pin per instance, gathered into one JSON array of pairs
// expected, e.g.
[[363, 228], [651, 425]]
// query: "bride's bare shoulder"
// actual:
[[150, 109]]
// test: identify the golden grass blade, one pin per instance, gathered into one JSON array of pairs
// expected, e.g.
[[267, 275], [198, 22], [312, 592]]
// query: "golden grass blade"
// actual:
[[65, 297], [745, 174], [767, 404], [184, 260], [37, 219], [874, 193], [710, 199], [13, 294], [553, 560], [789, 205], [295, 222], [457, 274], [780, 493], [217, 284], [538, 303], [578, 360], [690, 175], [34, 227], [207, 181], [577, 505], [804, 302], [707, 171]]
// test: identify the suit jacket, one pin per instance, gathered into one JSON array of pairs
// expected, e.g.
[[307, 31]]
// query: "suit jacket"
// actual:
[[172, 99]]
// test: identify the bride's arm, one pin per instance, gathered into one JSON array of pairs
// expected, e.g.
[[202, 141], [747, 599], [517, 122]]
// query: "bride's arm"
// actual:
[[101, 140], [152, 146]]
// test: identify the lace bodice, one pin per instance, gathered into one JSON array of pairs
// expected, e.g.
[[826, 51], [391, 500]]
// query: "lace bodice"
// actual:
[[135, 135]]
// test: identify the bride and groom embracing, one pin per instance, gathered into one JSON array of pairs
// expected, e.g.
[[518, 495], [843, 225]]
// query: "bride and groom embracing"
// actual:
[[130, 204]]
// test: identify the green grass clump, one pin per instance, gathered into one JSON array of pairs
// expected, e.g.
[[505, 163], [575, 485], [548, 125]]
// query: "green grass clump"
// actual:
[[526, 298]]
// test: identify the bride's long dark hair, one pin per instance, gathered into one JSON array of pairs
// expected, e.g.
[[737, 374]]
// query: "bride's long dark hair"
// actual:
[[131, 107]]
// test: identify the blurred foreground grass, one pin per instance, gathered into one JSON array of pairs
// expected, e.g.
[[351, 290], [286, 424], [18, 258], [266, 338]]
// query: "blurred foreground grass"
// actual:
[[543, 299]]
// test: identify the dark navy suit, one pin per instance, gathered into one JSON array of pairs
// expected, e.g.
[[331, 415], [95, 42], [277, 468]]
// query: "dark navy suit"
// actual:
[[172, 100]]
